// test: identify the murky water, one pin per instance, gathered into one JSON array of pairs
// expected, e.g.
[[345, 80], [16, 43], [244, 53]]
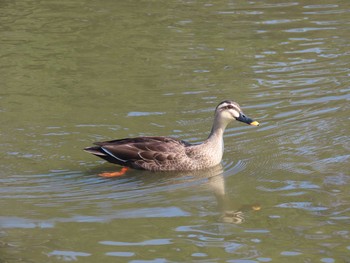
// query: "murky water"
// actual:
[[75, 72]]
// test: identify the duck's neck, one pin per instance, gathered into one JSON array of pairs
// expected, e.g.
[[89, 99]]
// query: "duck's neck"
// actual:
[[217, 131]]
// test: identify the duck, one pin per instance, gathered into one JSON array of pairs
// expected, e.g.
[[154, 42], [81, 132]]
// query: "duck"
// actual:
[[159, 153]]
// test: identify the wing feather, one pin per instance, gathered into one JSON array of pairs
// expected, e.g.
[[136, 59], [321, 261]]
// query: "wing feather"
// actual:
[[141, 152]]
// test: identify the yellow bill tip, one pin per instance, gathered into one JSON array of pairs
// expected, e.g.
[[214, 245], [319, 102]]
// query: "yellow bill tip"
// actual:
[[256, 207], [254, 123]]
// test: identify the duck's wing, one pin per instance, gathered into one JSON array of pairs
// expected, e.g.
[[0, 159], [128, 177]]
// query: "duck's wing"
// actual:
[[150, 153]]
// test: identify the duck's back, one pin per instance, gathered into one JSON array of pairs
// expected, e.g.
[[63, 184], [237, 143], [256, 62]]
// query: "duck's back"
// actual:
[[149, 153]]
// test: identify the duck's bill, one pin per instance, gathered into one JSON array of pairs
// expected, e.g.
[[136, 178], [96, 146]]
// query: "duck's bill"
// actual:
[[254, 123], [247, 120]]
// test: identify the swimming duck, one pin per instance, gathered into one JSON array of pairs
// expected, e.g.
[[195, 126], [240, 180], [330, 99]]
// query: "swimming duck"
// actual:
[[170, 154]]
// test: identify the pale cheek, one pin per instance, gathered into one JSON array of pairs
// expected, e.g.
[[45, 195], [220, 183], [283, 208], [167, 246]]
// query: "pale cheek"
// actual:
[[235, 114], [228, 115]]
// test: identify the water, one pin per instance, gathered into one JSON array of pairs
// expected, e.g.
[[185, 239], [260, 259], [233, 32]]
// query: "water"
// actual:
[[75, 72]]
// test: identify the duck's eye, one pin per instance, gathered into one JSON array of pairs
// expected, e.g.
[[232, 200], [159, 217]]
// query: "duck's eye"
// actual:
[[229, 107]]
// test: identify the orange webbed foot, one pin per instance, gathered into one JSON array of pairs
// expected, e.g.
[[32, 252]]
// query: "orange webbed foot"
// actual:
[[115, 174]]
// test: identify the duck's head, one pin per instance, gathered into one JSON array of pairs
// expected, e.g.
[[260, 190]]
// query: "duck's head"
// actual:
[[228, 110]]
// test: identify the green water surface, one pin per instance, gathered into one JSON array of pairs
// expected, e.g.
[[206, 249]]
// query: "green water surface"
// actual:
[[75, 72]]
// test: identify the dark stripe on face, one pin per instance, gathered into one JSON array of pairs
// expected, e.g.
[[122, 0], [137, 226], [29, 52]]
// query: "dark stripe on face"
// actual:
[[228, 105]]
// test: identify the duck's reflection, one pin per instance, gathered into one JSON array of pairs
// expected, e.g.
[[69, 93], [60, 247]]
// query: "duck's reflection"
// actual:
[[214, 179], [217, 184]]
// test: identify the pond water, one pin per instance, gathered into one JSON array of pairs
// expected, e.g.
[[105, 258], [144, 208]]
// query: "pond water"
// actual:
[[75, 72]]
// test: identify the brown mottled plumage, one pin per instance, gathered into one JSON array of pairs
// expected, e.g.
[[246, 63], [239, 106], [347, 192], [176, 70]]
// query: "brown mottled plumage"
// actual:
[[170, 154]]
